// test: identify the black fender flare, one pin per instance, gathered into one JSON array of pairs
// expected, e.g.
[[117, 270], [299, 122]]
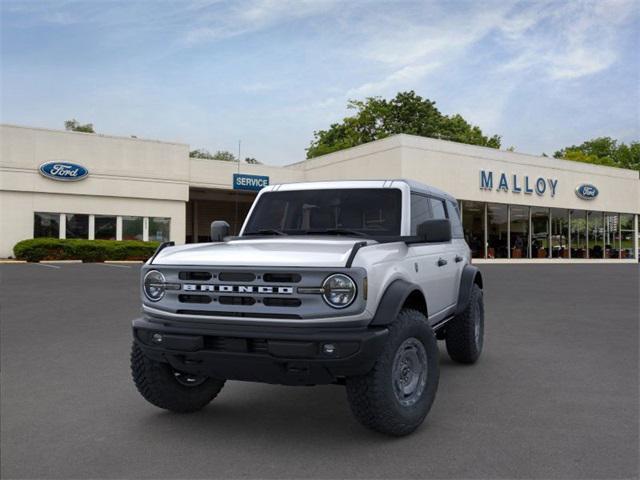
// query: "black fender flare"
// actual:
[[470, 276], [392, 301]]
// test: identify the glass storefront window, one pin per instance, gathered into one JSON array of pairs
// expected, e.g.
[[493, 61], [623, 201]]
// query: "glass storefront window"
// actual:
[[46, 225], [611, 235], [105, 227], [159, 229], [626, 236], [132, 228], [77, 226], [595, 237], [578, 234], [473, 226], [497, 227], [559, 233], [539, 232], [519, 231]]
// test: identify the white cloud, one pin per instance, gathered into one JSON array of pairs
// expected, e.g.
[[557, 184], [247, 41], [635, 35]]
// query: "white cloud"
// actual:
[[405, 77]]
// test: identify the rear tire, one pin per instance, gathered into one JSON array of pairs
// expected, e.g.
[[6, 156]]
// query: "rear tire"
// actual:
[[165, 388], [396, 395], [465, 334]]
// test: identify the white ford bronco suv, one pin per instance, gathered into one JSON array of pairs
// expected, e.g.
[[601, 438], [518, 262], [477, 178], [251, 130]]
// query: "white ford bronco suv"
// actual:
[[344, 282]]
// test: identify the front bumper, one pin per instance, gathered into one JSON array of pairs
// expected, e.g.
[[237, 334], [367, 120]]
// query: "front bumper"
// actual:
[[282, 355]]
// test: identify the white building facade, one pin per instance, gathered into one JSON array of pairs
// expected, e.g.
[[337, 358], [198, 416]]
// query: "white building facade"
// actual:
[[515, 207]]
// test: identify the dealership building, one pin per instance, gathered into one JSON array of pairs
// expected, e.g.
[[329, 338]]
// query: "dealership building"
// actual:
[[515, 207]]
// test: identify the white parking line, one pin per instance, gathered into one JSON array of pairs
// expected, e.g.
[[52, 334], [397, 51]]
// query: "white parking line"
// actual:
[[114, 265], [47, 265]]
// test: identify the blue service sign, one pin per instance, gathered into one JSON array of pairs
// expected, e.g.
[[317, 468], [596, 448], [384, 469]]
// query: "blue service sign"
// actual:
[[254, 183], [63, 171], [586, 191]]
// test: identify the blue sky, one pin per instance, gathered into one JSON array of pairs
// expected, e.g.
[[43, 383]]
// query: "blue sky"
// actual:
[[542, 74]]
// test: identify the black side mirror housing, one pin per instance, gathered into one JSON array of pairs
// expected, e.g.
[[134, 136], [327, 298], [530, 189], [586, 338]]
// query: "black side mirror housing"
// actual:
[[219, 230], [436, 230]]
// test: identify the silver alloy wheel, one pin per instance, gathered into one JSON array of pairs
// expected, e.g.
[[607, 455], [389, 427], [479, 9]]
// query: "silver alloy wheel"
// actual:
[[477, 328], [409, 372], [188, 379]]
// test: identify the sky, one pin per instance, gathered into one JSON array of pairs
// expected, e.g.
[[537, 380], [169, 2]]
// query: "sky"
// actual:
[[542, 74]]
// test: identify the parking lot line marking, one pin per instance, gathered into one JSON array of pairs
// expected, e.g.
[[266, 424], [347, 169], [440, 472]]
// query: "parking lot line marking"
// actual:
[[113, 265], [47, 265]]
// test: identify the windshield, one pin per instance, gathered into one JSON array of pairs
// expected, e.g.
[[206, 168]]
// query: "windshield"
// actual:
[[360, 212]]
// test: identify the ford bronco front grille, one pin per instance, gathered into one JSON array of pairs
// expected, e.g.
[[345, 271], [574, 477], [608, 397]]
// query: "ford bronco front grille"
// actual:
[[276, 293]]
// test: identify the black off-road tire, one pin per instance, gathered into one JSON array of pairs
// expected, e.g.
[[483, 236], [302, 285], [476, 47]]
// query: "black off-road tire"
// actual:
[[373, 398], [465, 334], [156, 382]]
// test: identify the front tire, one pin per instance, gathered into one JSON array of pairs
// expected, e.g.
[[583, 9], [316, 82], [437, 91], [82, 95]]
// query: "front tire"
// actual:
[[396, 395], [166, 388], [465, 334]]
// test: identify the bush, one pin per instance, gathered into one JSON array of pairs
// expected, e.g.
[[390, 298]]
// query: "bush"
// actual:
[[37, 249]]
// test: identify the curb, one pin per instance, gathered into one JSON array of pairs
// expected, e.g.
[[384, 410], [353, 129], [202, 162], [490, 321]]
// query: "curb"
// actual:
[[8, 261], [140, 262], [60, 261]]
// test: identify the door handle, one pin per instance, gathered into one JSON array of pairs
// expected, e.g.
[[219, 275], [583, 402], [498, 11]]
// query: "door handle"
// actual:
[[459, 258], [442, 262]]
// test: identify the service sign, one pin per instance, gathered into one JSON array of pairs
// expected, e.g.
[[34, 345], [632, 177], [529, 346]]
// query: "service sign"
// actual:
[[63, 171], [254, 183], [586, 191]]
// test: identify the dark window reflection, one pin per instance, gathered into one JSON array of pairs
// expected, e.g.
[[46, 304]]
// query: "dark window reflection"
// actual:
[[105, 227], [559, 233], [539, 232], [77, 226], [497, 227], [519, 231], [473, 225], [46, 225]]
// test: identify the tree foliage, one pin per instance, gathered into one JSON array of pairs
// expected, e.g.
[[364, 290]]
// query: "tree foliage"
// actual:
[[604, 151], [377, 118], [219, 155], [252, 161], [74, 126]]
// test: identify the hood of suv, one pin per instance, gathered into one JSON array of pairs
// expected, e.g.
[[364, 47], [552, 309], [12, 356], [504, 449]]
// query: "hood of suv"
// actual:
[[276, 252]]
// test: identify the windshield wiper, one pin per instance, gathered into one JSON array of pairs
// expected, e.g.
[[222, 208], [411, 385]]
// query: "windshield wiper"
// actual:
[[337, 231], [266, 231]]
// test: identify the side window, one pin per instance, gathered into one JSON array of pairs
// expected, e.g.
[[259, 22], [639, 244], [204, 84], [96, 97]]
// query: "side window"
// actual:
[[420, 211], [437, 207], [454, 216]]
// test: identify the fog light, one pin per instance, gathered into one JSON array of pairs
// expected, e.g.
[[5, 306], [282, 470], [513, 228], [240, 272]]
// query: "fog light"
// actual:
[[156, 338], [329, 348]]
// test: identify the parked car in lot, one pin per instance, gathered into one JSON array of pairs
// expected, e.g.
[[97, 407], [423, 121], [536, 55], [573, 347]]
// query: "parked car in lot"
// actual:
[[348, 282]]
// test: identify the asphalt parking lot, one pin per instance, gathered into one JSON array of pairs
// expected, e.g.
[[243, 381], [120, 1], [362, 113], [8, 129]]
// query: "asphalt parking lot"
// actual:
[[555, 394]]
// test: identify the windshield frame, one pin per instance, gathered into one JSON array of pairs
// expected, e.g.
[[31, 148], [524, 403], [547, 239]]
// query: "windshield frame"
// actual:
[[332, 231]]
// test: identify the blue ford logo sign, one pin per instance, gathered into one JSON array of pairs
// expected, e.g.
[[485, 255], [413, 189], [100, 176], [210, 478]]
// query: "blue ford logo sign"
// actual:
[[586, 191], [64, 171]]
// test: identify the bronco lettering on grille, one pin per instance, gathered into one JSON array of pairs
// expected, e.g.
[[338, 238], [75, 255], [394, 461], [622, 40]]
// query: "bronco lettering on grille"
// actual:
[[191, 287]]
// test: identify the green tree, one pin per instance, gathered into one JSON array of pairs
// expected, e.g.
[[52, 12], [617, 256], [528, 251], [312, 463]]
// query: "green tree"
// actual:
[[377, 118], [74, 126], [604, 151], [252, 161], [219, 155]]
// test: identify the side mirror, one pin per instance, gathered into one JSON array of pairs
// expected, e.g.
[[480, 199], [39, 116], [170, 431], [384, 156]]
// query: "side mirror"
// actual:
[[219, 230], [434, 231]]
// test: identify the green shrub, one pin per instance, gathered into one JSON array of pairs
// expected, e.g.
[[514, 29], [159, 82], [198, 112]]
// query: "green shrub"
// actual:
[[37, 249]]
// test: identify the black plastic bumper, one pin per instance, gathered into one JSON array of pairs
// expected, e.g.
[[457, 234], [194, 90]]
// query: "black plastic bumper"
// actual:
[[283, 355]]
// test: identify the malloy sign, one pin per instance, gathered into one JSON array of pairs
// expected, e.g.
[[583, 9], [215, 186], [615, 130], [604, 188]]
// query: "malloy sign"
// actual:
[[518, 183]]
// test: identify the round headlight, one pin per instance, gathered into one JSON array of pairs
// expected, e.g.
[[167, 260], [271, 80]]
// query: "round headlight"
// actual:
[[154, 285], [339, 290]]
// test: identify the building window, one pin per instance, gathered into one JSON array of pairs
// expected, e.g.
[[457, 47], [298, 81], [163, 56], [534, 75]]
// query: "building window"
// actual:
[[578, 234], [420, 211], [473, 225], [132, 228], [559, 233], [539, 232], [159, 229], [77, 226], [626, 236], [595, 235], [519, 231], [497, 227], [46, 225], [105, 227], [611, 235]]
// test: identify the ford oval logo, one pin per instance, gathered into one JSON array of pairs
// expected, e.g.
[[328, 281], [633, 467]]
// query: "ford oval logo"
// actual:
[[64, 171], [586, 191]]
